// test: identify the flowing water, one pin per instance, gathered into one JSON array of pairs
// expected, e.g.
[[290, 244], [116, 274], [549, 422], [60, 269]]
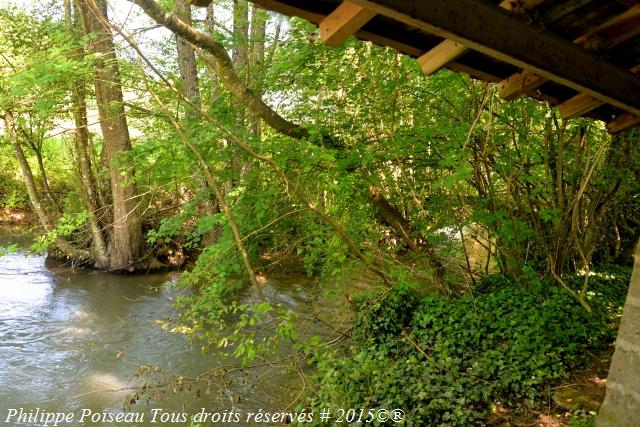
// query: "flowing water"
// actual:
[[70, 340]]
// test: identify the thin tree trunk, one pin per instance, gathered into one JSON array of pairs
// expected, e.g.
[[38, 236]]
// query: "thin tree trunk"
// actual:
[[34, 197], [211, 28], [27, 175], [87, 180], [45, 182], [257, 64], [126, 245], [240, 59], [621, 407], [187, 59], [83, 149]]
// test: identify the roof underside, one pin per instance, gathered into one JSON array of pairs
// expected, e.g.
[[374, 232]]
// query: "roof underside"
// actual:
[[582, 55]]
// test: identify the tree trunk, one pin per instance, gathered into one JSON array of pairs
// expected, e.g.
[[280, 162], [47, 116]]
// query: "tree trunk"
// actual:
[[87, 180], [126, 244], [621, 407], [259, 18], [34, 197], [211, 28], [187, 60], [392, 217], [27, 175], [240, 58], [240, 53], [83, 150], [45, 182]]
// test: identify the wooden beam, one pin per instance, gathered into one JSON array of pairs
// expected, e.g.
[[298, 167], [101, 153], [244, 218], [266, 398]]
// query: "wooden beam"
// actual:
[[519, 83], [387, 42], [512, 87], [582, 103], [488, 29], [289, 10], [605, 36], [440, 56], [614, 31], [348, 18], [578, 105], [407, 49], [622, 122], [447, 51]]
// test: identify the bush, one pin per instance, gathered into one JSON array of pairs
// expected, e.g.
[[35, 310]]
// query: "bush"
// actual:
[[446, 362]]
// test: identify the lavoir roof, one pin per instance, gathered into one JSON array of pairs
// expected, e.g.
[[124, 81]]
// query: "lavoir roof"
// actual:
[[581, 55]]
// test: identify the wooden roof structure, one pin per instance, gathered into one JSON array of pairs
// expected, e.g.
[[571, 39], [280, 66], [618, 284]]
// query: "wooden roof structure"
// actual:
[[581, 55]]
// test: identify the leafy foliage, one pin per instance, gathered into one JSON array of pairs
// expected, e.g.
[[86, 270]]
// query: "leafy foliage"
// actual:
[[446, 362]]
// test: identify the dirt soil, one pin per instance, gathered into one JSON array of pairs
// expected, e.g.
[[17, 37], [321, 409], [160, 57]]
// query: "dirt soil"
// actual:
[[583, 393], [16, 217]]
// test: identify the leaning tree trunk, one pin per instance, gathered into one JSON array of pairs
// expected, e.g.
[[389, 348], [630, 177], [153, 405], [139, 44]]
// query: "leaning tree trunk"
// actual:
[[66, 247], [126, 244], [45, 180], [27, 175], [621, 407]]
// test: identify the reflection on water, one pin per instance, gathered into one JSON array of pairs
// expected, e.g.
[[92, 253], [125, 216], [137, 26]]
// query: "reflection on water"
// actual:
[[66, 337]]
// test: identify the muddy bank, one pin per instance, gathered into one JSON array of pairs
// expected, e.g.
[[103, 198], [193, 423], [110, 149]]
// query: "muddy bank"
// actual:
[[16, 217]]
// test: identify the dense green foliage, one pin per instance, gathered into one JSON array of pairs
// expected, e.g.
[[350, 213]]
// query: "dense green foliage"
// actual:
[[420, 185], [446, 362]]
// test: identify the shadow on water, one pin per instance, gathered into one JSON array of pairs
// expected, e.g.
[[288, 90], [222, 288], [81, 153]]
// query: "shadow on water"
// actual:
[[71, 340]]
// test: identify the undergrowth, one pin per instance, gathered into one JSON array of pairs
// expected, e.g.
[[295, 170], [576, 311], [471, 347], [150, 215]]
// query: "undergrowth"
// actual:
[[449, 362]]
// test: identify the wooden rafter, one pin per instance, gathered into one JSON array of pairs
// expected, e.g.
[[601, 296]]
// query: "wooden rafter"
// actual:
[[578, 105], [622, 122], [441, 55], [383, 40], [606, 36], [287, 9], [343, 22], [582, 103], [490, 30], [447, 51]]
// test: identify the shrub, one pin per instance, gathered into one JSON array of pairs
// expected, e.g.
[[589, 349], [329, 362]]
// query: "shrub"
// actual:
[[447, 362]]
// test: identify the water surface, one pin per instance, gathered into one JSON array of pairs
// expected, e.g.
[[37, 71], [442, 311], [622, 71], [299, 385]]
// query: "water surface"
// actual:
[[71, 340]]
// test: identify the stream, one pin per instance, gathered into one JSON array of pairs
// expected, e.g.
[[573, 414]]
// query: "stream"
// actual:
[[71, 339]]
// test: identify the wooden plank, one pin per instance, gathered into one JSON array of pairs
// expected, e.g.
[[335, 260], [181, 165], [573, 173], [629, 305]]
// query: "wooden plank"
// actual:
[[513, 86], [289, 10], [344, 21], [492, 31], [622, 122], [582, 103], [605, 36], [519, 83], [614, 31], [578, 105], [447, 51], [441, 55], [379, 39]]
